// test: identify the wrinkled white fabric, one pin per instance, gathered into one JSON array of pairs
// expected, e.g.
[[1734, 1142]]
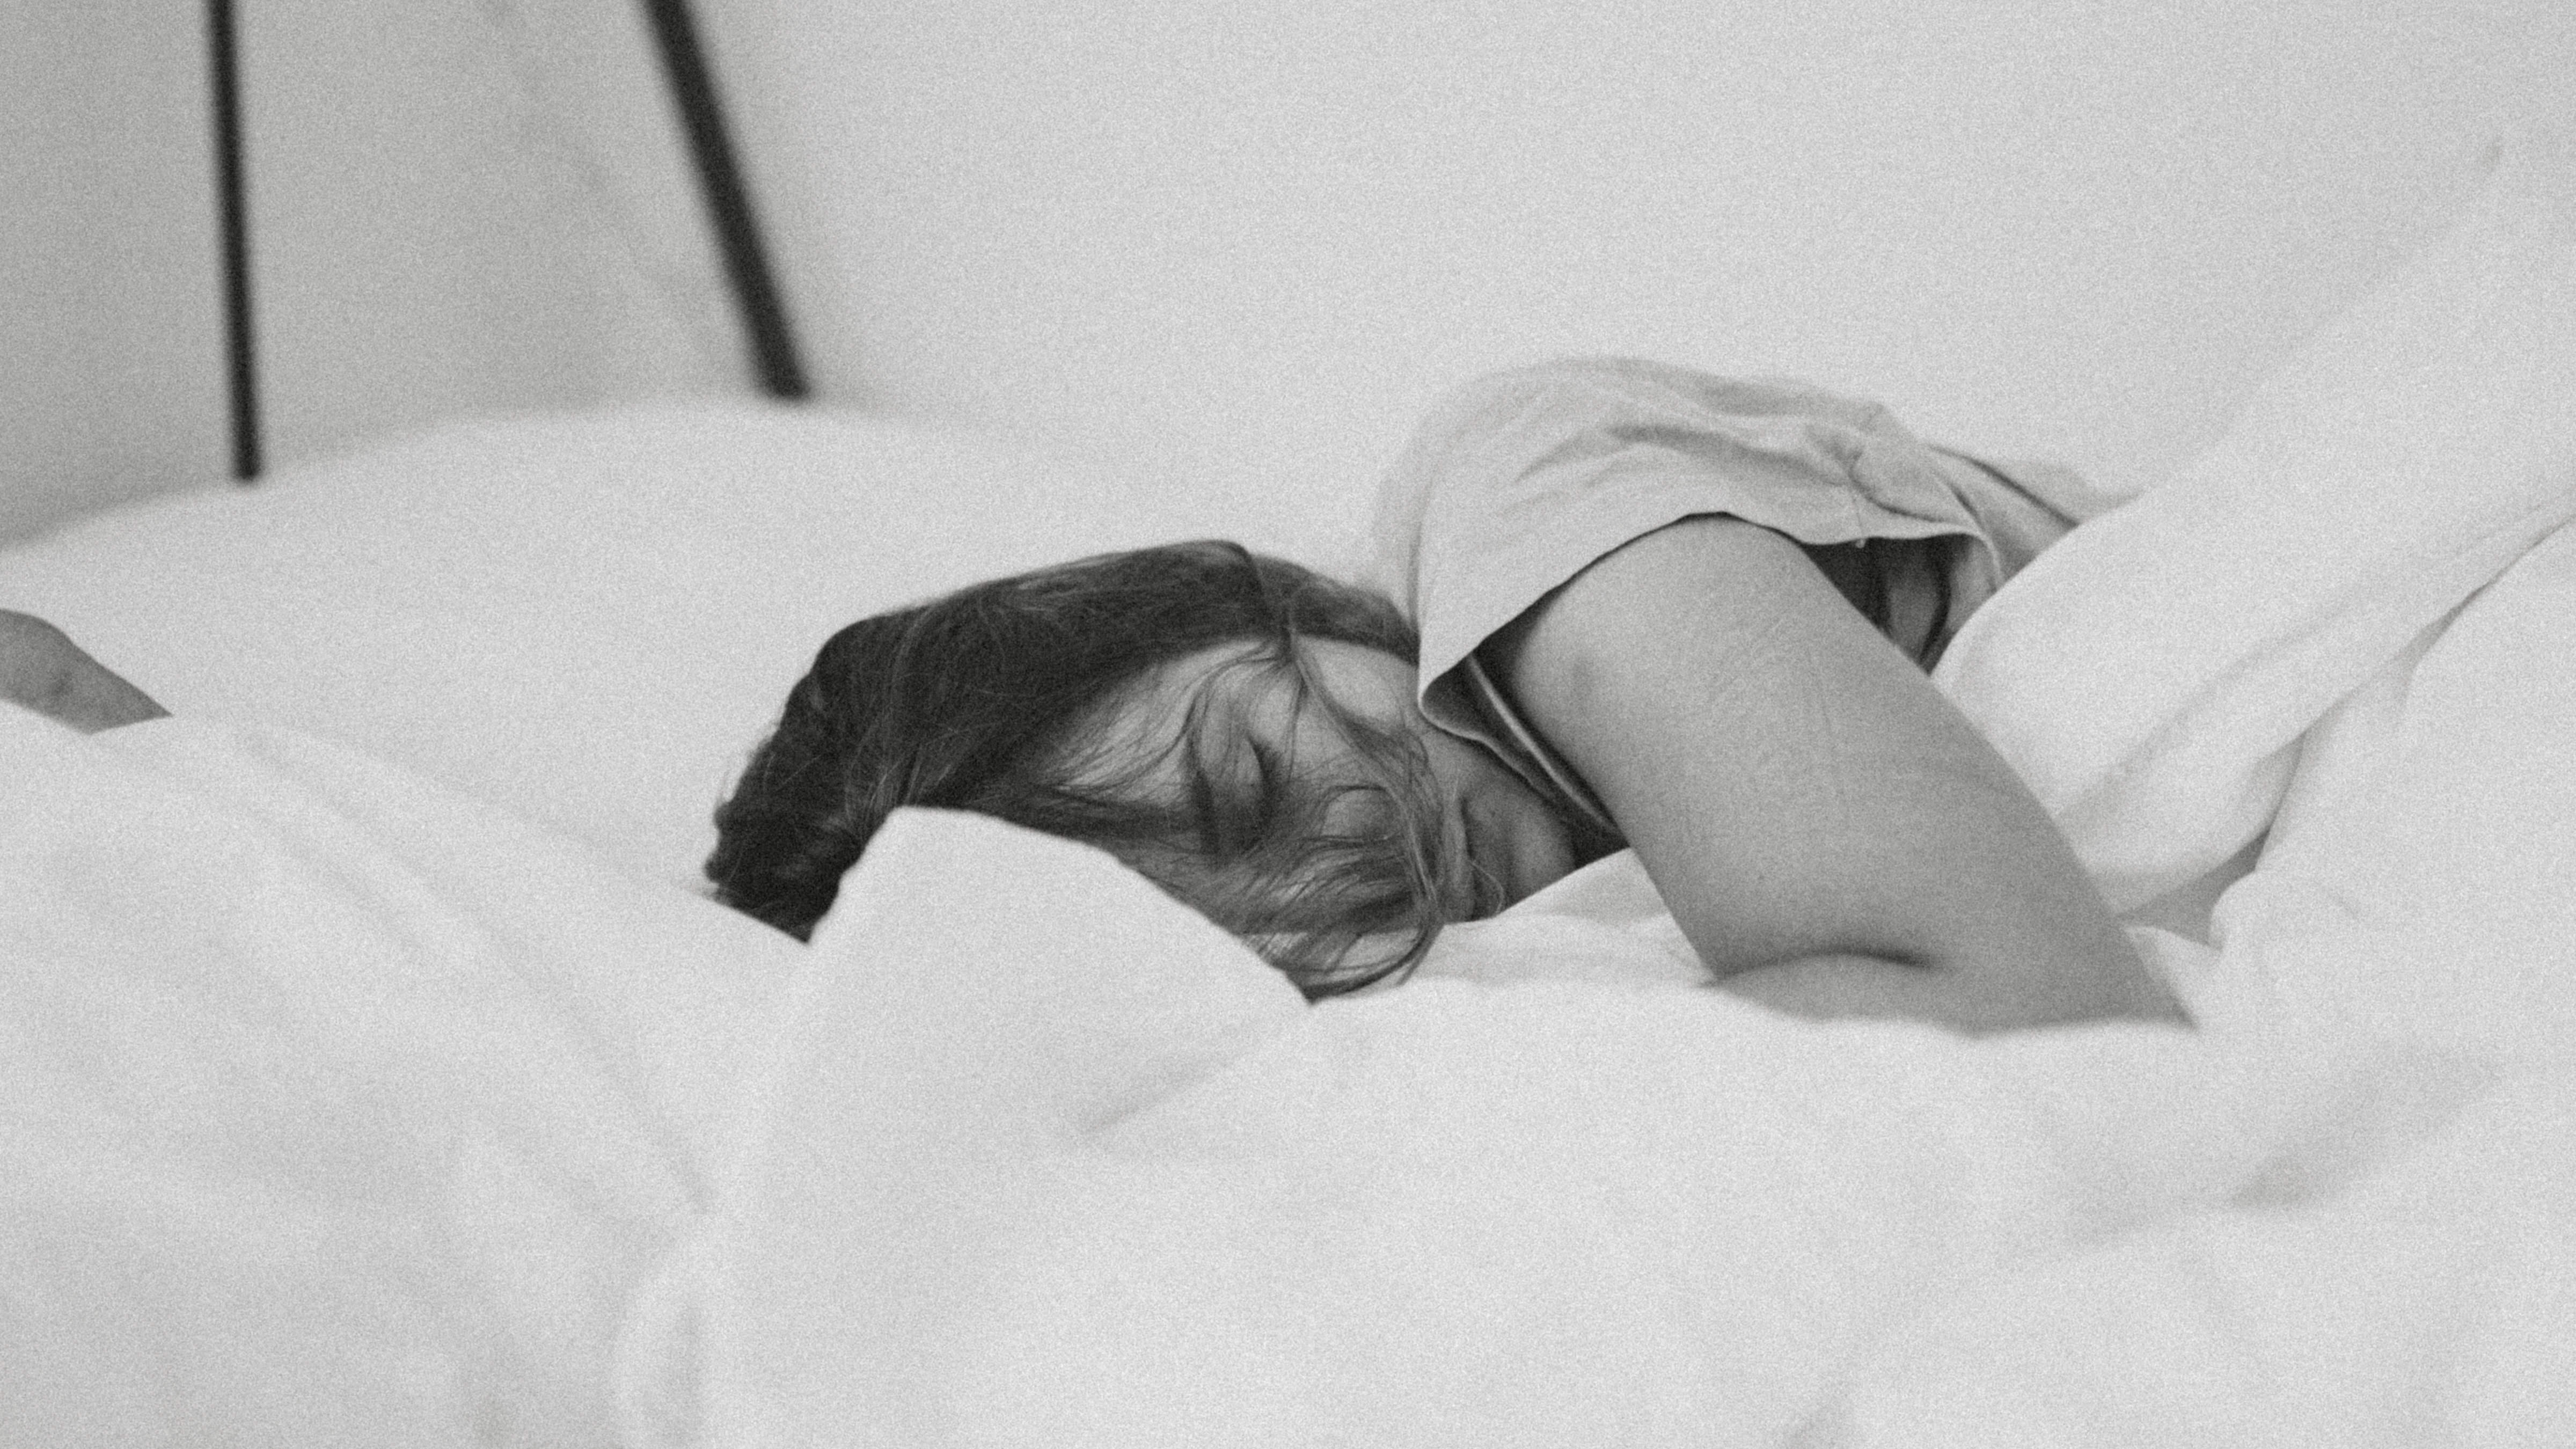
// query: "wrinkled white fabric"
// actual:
[[2388, 470], [334, 1109], [2423, 894], [1072, 1168]]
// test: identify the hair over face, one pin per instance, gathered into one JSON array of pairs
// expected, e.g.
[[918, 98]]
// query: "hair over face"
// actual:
[[998, 699]]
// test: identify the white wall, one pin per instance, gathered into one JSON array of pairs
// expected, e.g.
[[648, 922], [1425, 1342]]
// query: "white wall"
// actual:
[[458, 207], [1252, 239], [108, 318], [436, 234], [1241, 244]]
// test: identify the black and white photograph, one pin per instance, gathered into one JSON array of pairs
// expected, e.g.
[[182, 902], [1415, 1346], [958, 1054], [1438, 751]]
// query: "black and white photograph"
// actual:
[[1288, 724]]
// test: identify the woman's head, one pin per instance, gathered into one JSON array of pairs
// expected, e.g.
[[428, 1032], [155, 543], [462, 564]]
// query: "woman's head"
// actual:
[[1237, 728]]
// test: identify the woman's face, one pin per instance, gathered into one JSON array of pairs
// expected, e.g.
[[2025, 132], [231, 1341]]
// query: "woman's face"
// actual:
[[1502, 827]]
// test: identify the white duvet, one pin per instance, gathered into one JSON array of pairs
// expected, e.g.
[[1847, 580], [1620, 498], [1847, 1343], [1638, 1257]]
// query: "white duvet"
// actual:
[[334, 1109], [1038, 1182], [342, 1109]]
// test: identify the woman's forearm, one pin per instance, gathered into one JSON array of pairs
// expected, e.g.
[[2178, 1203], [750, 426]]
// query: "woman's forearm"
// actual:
[[1823, 825], [1844, 988]]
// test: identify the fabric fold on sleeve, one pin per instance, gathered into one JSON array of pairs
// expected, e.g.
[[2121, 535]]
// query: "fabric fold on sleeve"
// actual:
[[1518, 481]]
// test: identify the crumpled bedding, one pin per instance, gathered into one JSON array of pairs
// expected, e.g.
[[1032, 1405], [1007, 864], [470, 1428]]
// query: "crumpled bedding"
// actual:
[[334, 1108], [1144, 1198], [1036, 1182], [2418, 888]]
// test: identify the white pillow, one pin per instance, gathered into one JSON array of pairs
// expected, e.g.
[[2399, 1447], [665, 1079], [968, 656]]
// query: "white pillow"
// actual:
[[2150, 676], [588, 619]]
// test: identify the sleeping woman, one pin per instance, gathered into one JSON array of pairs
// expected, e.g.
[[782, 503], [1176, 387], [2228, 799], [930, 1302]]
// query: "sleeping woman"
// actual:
[[1627, 605]]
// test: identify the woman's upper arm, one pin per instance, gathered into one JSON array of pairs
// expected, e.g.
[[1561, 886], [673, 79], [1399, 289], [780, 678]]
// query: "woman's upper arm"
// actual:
[[1798, 790]]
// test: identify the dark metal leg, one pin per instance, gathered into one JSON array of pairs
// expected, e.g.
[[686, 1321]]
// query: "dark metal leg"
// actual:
[[693, 90], [233, 218]]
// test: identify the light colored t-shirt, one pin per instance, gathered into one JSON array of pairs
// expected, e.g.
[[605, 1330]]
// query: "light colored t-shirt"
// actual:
[[1518, 481]]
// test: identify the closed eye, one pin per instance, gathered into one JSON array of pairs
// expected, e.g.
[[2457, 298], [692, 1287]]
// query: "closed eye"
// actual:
[[1233, 815], [1270, 787]]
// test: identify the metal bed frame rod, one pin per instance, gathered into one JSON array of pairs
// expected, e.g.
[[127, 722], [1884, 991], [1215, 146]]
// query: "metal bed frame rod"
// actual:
[[768, 337]]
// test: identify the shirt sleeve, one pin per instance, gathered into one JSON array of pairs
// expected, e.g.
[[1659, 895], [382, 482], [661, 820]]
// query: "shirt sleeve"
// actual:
[[1520, 480]]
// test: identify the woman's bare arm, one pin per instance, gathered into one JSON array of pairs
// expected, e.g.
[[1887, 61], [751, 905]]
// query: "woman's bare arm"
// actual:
[[1832, 836]]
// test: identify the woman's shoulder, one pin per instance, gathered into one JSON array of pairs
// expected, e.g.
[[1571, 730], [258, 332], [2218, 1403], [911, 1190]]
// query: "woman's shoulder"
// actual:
[[1587, 446], [1591, 422], [1529, 446], [1582, 392]]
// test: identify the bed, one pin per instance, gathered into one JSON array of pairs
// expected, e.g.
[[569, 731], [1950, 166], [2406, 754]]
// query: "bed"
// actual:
[[378, 1074]]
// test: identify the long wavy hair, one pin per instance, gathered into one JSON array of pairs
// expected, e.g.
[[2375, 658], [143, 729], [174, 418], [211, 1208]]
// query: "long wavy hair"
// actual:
[[999, 698]]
